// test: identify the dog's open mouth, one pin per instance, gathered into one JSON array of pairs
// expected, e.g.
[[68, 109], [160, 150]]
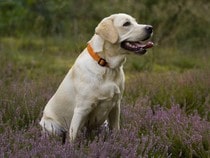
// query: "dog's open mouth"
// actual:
[[137, 47]]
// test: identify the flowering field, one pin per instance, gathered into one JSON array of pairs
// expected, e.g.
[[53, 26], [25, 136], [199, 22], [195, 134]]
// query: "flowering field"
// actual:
[[165, 109], [165, 112]]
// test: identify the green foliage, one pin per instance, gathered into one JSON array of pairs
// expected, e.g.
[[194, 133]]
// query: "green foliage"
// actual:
[[182, 23]]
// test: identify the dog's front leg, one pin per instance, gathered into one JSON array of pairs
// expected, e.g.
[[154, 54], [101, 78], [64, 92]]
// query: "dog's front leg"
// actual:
[[78, 120], [114, 117]]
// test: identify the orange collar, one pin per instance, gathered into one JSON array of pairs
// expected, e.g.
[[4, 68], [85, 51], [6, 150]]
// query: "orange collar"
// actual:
[[96, 57]]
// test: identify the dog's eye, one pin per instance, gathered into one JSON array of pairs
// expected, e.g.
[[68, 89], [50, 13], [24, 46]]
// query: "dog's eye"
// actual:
[[127, 23]]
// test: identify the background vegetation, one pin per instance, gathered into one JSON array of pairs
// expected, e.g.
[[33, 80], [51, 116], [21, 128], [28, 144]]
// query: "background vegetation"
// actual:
[[165, 111]]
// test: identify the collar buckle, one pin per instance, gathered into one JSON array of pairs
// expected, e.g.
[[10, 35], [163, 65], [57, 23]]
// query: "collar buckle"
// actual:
[[102, 62]]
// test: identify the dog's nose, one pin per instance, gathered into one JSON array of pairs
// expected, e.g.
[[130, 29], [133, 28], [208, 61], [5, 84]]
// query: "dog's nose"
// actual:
[[149, 29]]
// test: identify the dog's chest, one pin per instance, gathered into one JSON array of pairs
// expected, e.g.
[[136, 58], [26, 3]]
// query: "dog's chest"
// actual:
[[108, 91], [115, 76], [101, 110]]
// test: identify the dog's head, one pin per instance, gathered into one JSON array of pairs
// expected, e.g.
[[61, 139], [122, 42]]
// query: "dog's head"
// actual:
[[122, 29]]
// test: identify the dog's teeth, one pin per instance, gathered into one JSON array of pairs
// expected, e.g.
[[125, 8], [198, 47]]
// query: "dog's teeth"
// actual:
[[133, 46]]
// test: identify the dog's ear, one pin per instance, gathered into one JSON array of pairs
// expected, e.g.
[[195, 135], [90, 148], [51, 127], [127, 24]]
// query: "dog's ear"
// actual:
[[107, 31]]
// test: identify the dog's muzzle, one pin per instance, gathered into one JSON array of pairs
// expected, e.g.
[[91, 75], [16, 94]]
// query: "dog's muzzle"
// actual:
[[139, 47]]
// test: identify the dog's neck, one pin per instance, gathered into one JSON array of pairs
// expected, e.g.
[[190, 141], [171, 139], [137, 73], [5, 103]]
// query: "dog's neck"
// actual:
[[110, 52]]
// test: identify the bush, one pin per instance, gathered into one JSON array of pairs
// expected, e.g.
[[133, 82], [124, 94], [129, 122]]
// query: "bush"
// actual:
[[174, 21], [167, 133]]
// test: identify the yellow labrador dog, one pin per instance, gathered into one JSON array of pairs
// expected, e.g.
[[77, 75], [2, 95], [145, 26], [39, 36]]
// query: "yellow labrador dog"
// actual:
[[92, 90]]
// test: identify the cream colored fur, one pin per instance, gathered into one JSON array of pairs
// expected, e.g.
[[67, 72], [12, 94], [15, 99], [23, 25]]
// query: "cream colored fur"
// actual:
[[90, 93]]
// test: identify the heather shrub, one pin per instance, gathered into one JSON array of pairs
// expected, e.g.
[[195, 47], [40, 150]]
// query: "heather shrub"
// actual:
[[190, 90], [144, 133], [170, 131], [22, 100]]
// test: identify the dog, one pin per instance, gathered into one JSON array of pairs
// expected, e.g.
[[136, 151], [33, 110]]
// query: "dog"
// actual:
[[91, 92]]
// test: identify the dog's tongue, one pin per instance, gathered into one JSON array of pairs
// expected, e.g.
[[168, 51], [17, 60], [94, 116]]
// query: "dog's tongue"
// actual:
[[146, 45]]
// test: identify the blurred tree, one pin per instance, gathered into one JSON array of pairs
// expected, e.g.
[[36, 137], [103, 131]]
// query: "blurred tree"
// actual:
[[175, 21]]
